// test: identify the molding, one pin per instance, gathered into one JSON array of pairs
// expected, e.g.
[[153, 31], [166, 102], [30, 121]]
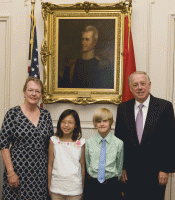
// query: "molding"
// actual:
[[84, 125], [5, 1], [148, 31], [152, 1], [170, 95], [170, 89], [7, 19], [26, 2]]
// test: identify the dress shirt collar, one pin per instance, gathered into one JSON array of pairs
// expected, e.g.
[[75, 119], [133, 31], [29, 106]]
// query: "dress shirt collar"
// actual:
[[107, 138], [145, 103]]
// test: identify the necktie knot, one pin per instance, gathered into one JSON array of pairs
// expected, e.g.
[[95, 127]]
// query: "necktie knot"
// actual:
[[103, 140], [140, 106]]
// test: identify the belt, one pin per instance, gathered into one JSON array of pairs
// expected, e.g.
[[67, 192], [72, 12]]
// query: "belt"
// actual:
[[105, 182]]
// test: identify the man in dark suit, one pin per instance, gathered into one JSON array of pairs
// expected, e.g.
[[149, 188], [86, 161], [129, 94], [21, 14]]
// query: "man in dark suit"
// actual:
[[147, 156]]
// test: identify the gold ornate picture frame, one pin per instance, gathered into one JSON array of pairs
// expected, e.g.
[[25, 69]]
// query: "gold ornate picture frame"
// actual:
[[82, 52]]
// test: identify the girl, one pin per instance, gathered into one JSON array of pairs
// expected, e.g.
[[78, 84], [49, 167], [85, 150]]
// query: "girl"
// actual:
[[66, 167]]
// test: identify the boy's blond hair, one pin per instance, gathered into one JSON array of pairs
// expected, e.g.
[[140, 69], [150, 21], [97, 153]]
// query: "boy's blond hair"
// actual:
[[102, 114]]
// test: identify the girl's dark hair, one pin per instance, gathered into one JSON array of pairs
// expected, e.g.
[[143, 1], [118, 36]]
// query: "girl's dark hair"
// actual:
[[77, 134]]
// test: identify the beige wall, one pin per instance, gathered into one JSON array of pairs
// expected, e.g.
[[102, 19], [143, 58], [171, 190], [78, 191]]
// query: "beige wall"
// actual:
[[153, 24]]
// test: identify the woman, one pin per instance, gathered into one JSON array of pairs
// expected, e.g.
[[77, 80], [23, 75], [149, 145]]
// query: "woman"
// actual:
[[24, 139]]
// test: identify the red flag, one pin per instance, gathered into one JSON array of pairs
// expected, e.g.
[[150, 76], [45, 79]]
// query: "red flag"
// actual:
[[129, 65]]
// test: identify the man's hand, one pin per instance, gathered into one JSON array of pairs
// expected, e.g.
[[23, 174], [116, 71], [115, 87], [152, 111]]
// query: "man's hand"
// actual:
[[124, 176], [163, 178]]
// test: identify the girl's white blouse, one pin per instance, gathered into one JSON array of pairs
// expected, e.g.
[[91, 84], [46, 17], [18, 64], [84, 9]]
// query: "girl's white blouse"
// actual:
[[66, 176]]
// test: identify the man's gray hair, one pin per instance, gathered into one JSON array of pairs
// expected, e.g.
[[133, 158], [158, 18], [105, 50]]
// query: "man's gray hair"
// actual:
[[138, 72], [94, 30]]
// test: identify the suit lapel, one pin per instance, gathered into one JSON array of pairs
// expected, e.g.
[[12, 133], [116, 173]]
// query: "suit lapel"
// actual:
[[131, 122], [151, 119]]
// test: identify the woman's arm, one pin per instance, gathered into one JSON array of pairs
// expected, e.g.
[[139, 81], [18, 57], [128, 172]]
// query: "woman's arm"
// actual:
[[50, 163], [82, 162], [12, 176]]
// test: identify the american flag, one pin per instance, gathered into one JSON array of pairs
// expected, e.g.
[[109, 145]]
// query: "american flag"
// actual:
[[33, 68]]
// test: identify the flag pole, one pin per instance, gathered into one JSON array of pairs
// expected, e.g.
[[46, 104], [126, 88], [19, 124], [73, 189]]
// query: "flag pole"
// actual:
[[33, 24], [129, 20], [129, 28]]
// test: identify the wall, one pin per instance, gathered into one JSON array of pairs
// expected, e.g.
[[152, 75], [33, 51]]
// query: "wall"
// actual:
[[152, 38], [150, 30]]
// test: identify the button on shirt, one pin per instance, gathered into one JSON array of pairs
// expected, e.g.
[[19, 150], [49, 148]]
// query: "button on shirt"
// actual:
[[144, 109], [114, 155]]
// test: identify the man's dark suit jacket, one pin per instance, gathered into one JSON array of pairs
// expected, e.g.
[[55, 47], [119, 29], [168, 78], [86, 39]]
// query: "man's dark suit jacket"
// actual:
[[154, 153]]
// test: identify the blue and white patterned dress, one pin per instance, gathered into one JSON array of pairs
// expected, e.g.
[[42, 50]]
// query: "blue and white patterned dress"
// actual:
[[29, 153]]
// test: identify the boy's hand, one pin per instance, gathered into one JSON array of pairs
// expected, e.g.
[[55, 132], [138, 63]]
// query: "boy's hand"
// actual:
[[163, 178], [124, 176]]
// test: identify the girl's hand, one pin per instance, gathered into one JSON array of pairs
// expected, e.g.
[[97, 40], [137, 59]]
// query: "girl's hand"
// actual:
[[14, 181]]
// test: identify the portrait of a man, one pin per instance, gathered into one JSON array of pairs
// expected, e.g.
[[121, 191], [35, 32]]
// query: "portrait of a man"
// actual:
[[92, 66]]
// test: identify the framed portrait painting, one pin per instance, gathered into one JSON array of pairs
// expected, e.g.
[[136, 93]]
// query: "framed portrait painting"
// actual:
[[82, 52]]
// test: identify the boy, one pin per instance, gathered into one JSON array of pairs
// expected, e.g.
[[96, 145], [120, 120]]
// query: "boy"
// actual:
[[104, 159]]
